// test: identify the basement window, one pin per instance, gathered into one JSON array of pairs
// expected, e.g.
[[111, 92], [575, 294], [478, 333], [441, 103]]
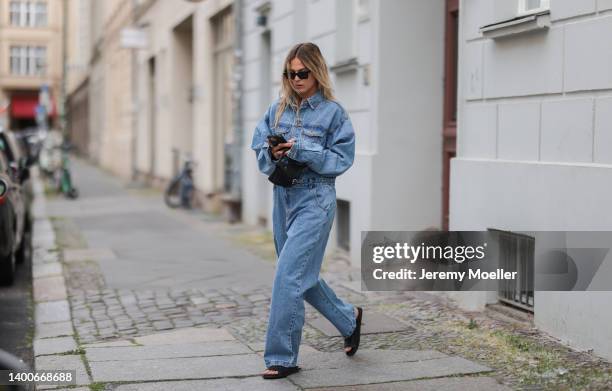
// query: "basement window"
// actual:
[[536, 19], [533, 6]]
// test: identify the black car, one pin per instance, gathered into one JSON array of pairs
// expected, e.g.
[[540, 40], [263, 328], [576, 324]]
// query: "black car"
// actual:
[[20, 162], [15, 216], [30, 140]]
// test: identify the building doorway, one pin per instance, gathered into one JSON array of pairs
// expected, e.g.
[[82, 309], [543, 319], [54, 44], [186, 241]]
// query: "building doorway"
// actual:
[[223, 62], [152, 116], [184, 92]]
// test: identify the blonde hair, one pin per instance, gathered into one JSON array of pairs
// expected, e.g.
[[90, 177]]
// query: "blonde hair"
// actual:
[[310, 55]]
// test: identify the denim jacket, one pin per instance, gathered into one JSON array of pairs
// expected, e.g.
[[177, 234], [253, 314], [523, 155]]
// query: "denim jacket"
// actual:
[[323, 133]]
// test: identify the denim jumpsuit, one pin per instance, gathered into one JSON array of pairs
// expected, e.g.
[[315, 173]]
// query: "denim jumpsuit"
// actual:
[[302, 218]]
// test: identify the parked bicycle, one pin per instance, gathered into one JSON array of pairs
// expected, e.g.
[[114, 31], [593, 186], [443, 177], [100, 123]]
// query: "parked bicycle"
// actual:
[[180, 190]]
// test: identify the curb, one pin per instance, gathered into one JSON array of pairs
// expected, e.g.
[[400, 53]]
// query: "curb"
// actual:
[[54, 344]]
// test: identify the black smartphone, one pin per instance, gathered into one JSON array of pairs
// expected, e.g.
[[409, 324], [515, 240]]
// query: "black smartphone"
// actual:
[[275, 140]]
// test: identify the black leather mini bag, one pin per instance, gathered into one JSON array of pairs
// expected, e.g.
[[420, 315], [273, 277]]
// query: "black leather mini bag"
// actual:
[[286, 171]]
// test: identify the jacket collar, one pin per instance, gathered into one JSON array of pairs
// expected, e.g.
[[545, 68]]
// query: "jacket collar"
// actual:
[[313, 101]]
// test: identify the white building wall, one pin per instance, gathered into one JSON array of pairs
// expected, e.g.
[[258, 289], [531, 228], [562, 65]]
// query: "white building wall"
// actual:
[[533, 148], [407, 167], [394, 99], [259, 87]]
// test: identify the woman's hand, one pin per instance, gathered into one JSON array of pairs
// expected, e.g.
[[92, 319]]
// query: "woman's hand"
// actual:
[[281, 149]]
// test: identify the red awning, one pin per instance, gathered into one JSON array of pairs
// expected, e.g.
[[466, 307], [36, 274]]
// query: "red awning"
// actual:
[[24, 106]]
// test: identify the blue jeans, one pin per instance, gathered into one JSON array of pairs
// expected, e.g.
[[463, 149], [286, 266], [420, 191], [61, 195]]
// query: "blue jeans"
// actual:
[[302, 217]]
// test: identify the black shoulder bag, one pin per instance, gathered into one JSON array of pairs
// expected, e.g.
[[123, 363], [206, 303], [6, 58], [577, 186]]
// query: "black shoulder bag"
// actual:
[[286, 171]]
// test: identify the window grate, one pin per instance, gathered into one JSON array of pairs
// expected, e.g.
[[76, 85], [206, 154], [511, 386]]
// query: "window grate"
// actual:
[[517, 255], [343, 224]]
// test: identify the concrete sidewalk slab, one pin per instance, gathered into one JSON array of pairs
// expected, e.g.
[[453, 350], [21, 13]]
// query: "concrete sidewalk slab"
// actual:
[[40, 270], [43, 229], [72, 389], [186, 335], [177, 368], [54, 345], [128, 353], [372, 322], [260, 347], [64, 362], [112, 344], [57, 329], [49, 289], [44, 256], [52, 311], [388, 372], [442, 384], [88, 254], [365, 358], [249, 383]]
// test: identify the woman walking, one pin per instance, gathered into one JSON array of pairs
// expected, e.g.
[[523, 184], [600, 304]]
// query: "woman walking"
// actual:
[[312, 143]]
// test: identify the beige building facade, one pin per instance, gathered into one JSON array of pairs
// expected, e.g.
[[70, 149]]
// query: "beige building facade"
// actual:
[[78, 53], [142, 108], [101, 107], [110, 88], [184, 93], [31, 39]]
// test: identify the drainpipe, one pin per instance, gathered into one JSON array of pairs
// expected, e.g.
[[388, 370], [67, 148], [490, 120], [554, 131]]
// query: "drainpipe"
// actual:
[[236, 184], [134, 138], [64, 68]]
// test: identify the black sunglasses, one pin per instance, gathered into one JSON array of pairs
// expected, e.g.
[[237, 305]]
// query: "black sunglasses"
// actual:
[[303, 74]]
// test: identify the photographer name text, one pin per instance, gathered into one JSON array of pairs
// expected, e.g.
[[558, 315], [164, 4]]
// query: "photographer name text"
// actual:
[[407, 274]]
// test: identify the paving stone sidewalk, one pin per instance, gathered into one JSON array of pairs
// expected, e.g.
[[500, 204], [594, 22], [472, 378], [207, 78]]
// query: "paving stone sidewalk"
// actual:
[[189, 336]]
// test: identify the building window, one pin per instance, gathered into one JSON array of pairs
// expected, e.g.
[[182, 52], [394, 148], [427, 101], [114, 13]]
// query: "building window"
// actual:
[[15, 13], [28, 13], [346, 29], [343, 224], [533, 6], [363, 10], [28, 60], [38, 57], [40, 14], [14, 59]]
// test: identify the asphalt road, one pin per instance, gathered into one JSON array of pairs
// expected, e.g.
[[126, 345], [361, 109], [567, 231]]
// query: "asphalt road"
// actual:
[[16, 315]]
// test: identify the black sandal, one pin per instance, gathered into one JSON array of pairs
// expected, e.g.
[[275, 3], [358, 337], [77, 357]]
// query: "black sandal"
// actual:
[[352, 341], [281, 372]]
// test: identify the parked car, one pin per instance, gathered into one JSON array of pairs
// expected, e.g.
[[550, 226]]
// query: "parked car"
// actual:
[[31, 142], [20, 161], [15, 216]]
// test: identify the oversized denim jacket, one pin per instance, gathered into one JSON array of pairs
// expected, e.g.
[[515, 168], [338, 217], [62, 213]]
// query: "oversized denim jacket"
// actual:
[[323, 133]]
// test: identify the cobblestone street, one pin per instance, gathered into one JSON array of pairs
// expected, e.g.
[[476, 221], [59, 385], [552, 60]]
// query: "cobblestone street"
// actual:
[[136, 272]]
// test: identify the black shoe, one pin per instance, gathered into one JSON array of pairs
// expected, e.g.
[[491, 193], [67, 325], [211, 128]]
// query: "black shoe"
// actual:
[[353, 340], [281, 372]]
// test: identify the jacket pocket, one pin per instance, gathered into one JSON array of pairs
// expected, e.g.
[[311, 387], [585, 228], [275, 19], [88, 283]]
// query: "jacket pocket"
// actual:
[[313, 134], [281, 131]]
